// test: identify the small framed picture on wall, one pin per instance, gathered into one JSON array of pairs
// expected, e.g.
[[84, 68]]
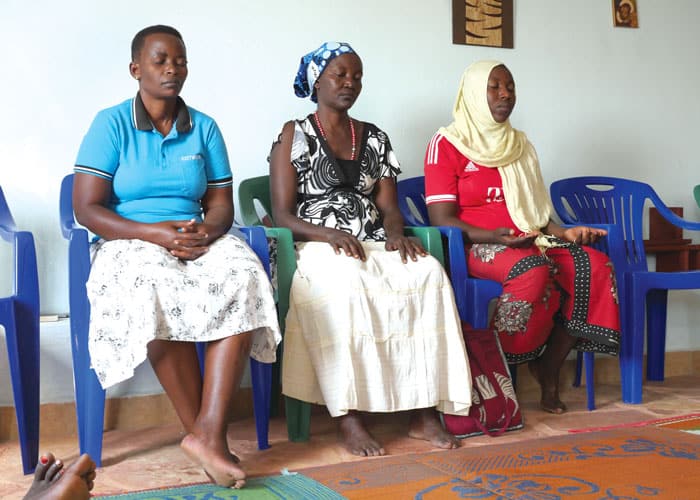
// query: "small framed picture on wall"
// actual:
[[483, 22], [625, 14]]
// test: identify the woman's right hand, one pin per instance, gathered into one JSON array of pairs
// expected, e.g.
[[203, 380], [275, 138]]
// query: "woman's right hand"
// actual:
[[340, 240], [506, 236]]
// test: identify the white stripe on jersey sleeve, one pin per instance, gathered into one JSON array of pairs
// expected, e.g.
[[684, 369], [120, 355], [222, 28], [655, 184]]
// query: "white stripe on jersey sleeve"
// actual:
[[432, 156], [437, 198]]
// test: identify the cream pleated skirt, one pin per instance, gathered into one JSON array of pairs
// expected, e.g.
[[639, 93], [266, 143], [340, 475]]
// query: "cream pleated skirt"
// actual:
[[139, 292], [376, 336]]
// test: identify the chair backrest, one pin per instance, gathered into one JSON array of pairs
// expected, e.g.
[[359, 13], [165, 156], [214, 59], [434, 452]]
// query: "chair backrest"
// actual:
[[610, 200], [78, 265], [250, 190], [411, 197], [6, 220], [65, 206]]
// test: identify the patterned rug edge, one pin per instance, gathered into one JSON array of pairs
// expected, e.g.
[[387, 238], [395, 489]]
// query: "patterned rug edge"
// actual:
[[643, 423], [273, 486]]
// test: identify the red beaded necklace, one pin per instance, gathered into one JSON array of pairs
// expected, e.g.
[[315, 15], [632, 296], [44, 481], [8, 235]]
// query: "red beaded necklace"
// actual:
[[352, 133]]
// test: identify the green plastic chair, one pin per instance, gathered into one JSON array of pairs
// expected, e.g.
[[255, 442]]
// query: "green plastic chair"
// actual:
[[298, 413], [696, 193]]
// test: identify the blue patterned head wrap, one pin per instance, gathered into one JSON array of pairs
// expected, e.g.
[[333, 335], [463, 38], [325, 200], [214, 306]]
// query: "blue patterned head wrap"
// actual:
[[313, 64]]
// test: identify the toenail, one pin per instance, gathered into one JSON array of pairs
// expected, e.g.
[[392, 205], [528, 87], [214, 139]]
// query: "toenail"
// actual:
[[44, 459]]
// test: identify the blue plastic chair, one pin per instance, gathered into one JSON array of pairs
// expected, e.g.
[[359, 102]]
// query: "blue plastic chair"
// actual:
[[19, 315], [472, 295], [89, 395], [620, 203]]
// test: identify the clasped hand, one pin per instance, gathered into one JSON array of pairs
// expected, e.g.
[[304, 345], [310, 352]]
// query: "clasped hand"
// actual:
[[186, 240]]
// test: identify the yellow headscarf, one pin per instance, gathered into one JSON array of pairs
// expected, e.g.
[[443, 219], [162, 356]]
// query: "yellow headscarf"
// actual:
[[479, 137]]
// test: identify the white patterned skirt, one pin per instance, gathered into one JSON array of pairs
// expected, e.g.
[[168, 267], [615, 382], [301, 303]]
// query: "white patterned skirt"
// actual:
[[139, 292], [376, 336]]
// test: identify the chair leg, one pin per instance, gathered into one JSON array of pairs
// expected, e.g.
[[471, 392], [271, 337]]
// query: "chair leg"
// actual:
[[480, 312], [513, 369], [656, 333], [276, 386], [90, 403], [589, 359], [22, 338], [632, 350], [298, 419], [261, 375], [579, 367], [201, 348], [89, 394]]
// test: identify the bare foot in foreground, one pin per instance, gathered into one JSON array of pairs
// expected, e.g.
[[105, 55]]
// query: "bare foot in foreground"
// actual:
[[357, 440], [233, 457], [426, 425], [219, 465], [53, 482], [549, 400]]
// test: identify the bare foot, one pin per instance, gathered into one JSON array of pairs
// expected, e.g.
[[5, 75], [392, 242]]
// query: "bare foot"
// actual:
[[219, 465], [52, 482], [356, 438], [234, 457], [426, 425], [549, 400]]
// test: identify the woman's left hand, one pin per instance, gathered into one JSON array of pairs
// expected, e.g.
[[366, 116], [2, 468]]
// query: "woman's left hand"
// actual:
[[583, 235], [406, 247], [193, 237]]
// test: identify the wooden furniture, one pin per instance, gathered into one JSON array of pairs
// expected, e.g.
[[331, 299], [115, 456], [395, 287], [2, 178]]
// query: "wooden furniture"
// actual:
[[666, 242]]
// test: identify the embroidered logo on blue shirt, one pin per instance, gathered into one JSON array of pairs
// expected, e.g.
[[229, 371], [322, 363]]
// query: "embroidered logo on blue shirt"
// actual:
[[191, 157]]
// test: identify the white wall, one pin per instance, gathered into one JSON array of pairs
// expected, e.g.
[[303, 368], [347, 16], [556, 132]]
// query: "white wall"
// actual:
[[593, 99]]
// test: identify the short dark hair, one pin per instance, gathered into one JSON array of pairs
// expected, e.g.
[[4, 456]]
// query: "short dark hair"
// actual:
[[140, 37]]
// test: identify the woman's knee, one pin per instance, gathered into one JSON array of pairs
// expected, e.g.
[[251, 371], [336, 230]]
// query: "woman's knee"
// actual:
[[532, 282], [599, 261]]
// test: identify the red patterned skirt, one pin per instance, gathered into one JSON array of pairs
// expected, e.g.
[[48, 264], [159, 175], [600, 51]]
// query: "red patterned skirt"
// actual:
[[570, 284]]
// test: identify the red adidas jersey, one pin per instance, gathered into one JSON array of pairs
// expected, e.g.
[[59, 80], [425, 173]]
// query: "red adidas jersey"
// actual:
[[477, 190]]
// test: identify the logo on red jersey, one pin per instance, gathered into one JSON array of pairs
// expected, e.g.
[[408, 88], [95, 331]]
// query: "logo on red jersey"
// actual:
[[471, 167], [494, 195]]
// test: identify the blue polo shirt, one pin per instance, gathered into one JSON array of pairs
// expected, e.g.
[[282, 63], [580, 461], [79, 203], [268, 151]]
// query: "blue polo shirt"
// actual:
[[155, 178]]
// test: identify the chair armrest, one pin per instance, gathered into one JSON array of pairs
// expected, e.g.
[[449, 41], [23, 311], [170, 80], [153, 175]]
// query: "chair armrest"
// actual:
[[430, 238], [7, 234], [671, 217], [456, 263], [456, 258], [78, 273], [286, 266], [25, 278], [26, 274], [256, 239]]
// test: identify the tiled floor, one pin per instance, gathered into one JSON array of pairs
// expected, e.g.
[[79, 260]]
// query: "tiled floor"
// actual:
[[150, 458]]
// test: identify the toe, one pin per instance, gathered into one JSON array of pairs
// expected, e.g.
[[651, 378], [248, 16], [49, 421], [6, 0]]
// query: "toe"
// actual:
[[54, 471], [46, 460]]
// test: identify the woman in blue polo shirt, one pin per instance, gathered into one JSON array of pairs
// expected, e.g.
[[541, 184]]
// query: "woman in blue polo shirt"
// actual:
[[152, 179]]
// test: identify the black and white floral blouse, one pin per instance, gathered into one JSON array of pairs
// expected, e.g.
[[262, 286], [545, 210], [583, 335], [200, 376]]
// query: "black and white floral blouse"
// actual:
[[339, 193]]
